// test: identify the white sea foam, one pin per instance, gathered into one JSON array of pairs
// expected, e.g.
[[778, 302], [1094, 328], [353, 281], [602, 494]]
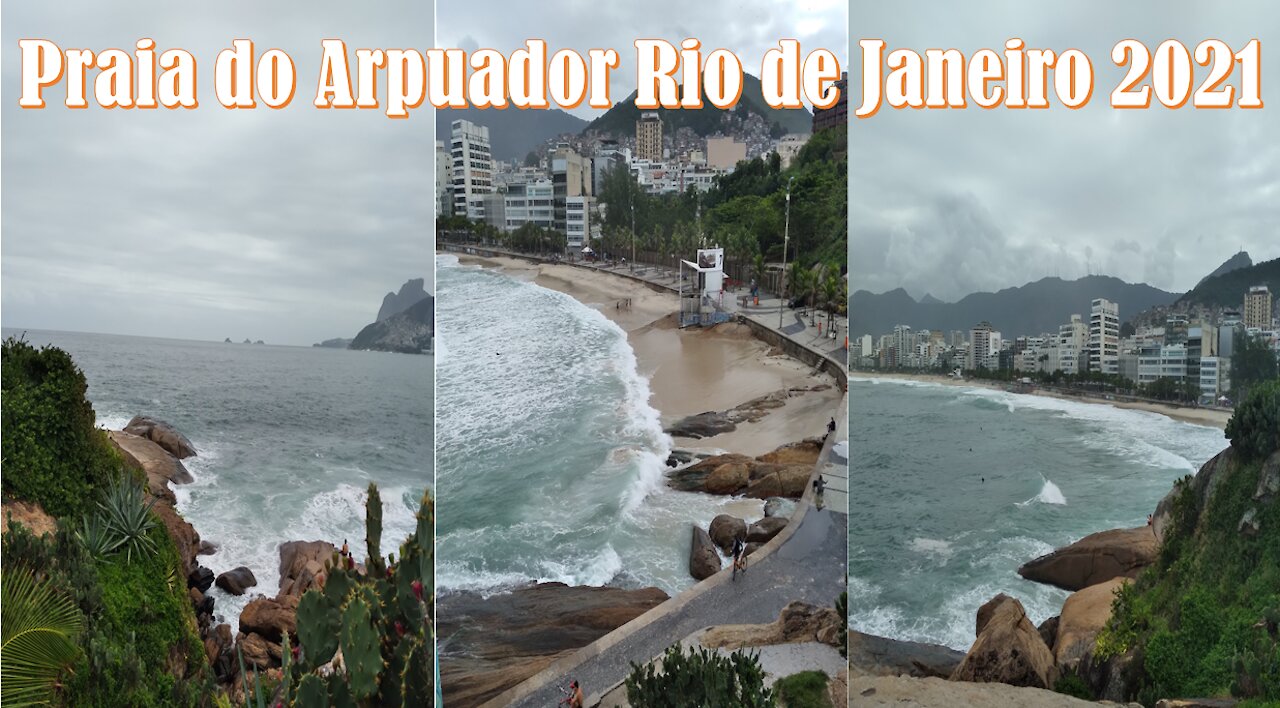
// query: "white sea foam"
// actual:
[[932, 546], [1049, 494]]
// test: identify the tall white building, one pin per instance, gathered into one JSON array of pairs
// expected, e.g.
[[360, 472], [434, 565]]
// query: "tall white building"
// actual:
[[472, 168], [1104, 336], [443, 165], [1072, 338], [984, 348], [529, 203], [577, 222]]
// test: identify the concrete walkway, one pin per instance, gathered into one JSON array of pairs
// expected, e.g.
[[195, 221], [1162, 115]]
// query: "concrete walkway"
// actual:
[[807, 562]]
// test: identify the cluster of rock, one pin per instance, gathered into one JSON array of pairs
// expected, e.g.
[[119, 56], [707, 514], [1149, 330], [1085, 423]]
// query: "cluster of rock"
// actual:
[[712, 423], [785, 472], [798, 622], [704, 560]]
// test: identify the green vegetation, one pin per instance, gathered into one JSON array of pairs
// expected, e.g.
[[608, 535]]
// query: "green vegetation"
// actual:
[[842, 609], [382, 621], [701, 678], [1073, 685], [111, 557], [40, 627], [1252, 363], [621, 119], [1202, 621], [807, 689], [52, 453]]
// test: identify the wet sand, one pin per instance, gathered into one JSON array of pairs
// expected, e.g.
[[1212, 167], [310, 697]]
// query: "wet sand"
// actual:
[[694, 370], [1211, 417]]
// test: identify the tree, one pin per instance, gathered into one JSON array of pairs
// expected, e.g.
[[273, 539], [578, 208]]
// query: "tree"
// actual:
[[1252, 362], [40, 630]]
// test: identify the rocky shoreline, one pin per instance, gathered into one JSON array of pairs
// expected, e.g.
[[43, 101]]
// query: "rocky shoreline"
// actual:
[[1010, 651], [157, 449]]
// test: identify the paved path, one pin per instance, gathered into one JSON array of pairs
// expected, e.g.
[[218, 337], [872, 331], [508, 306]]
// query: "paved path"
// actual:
[[809, 564]]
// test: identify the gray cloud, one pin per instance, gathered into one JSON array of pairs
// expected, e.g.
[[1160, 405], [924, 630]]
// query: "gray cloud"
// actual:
[[956, 201], [286, 225], [747, 27]]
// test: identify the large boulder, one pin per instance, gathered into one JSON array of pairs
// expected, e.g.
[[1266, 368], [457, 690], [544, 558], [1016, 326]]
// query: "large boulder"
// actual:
[[301, 562], [704, 562], [163, 434], [184, 536], [881, 656], [220, 650], [1203, 486], [236, 580], [258, 652], [1084, 614], [765, 529], [702, 425], [270, 617], [724, 529], [728, 478], [694, 477], [1008, 648], [1096, 558], [158, 464], [772, 480], [200, 579], [804, 452]]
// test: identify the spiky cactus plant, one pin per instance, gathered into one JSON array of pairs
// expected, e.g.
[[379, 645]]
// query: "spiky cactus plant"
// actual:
[[381, 620]]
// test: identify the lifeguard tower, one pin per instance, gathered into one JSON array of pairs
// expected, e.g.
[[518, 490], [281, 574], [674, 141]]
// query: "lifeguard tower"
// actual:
[[702, 289]]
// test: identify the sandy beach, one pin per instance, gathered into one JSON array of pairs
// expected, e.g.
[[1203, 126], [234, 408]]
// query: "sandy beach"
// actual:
[[694, 370], [1198, 416]]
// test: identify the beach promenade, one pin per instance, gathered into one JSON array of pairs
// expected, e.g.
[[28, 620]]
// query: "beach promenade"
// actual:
[[805, 562]]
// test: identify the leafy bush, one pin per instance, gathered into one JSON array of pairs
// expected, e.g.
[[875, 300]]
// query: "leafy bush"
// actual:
[[40, 627], [1201, 620], [700, 678], [842, 609], [52, 453], [1254, 428], [1073, 685], [807, 689]]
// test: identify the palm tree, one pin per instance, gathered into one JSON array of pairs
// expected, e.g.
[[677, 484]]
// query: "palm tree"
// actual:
[[831, 295], [40, 627], [796, 279]]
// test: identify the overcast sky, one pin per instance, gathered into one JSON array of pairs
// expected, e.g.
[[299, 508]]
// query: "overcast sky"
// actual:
[[956, 201], [747, 27], [287, 226]]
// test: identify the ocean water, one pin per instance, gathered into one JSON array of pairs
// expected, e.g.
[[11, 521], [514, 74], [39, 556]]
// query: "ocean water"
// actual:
[[551, 459], [952, 488], [288, 438]]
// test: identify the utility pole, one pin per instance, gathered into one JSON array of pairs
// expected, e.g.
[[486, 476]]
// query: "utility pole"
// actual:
[[786, 236], [633, 232]]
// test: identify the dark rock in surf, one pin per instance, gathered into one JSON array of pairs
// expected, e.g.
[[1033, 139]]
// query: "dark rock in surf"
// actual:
[[704, 562], [236, 580], [724, 529], [765, 529]]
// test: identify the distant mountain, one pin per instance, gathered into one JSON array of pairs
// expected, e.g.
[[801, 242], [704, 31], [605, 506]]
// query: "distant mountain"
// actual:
[[513, 133], [621, 119], [1029, 309], [411, 293], [930, 300], [407, 332], [335, 343], [1228, 289], [1236, 262]]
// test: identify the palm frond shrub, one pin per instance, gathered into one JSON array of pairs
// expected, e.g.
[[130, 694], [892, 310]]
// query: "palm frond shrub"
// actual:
[[98, 539], [40, 627]]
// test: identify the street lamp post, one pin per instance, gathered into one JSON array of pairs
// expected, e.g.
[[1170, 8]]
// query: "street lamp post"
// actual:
[[633, 233], [786, 236]]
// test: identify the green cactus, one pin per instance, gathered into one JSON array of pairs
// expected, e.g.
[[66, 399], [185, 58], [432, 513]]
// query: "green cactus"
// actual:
[[373, 532], [381, 619]]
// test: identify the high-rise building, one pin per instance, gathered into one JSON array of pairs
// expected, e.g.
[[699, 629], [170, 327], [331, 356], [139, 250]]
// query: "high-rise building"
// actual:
[[984, 348], [649, 137], [472, 168], [1104, 336], [838, 114], [1072, 338], [444, 205], [1257, 307], [570, 177], [529, 203]]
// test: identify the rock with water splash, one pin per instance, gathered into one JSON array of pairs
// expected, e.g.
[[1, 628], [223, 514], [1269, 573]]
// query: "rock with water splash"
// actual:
[[1096, 558]]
